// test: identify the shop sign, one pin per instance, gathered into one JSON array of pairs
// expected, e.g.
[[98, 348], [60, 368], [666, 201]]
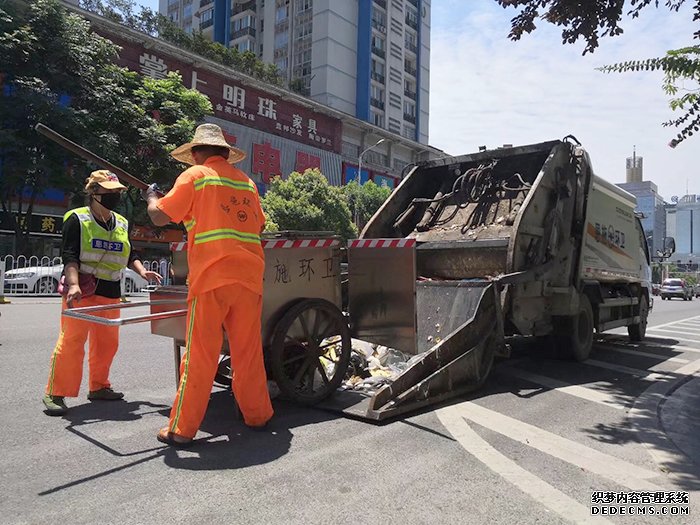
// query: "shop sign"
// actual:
[[38, 223]]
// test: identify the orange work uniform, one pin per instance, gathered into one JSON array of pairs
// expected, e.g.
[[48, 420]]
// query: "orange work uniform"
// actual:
[[66, 368], [221, 209]]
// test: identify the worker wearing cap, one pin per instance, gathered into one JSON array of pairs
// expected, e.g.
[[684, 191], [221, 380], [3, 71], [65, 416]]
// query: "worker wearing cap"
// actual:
[[95, 251], [221, 210]]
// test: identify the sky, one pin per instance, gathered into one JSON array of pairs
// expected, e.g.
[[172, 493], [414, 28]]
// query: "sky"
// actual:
[[486, 90]]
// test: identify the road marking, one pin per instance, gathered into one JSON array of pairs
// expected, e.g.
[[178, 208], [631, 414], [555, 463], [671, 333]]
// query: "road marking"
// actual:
[[673, 332], [680, 329], [696, 317], [691, 323], [589, 394], [640, 353], [653, 375], [539, 490], [644, 417]]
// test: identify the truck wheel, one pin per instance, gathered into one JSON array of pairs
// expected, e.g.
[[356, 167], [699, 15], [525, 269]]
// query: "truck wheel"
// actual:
[[573, 337], [638, 331]]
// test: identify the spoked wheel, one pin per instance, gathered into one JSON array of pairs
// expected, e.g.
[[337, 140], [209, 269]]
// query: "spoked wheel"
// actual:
[[310, 351], [223, 372]]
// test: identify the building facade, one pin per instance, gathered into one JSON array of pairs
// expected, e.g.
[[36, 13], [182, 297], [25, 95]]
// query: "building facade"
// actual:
[[652, 206], [366, 58], [683, 224]]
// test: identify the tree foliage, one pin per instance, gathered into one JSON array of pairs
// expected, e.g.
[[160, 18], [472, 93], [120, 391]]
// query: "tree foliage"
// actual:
[[592, 20], [365, 199], [125, 12], [306, 202], [56, 71]]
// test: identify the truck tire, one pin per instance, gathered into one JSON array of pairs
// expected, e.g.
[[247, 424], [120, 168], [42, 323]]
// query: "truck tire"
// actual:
[[637, 332], [573, 337]]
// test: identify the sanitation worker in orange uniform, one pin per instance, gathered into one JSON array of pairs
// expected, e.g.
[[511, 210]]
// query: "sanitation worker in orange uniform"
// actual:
[[221, 210]]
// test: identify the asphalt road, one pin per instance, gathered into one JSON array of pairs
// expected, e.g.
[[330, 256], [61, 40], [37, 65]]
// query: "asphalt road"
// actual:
[[531, 447]]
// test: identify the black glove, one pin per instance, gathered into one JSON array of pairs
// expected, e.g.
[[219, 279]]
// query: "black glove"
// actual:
[[151, 191]]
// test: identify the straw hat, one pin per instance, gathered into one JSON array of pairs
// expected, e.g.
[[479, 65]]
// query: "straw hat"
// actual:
[[104, 178], [207, 135]]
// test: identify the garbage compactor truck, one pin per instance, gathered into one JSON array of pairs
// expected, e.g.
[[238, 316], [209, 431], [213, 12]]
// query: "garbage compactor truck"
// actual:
[[470, 250]]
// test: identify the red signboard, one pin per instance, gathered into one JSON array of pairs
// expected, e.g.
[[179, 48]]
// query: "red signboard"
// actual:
[[236, 102]]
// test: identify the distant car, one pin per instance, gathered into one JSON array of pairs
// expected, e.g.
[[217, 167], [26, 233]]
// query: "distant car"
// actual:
[[43, 280], [697, 290], [676, 288]]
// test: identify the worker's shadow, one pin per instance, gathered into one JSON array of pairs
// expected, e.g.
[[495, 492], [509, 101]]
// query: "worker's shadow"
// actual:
[[122, 410], [232, 445]]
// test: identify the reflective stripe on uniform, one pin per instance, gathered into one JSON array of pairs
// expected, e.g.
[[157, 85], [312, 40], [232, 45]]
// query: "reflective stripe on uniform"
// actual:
[[103, 257], [100, 273], [226, 233], [211, 180], [190, 224], [186, 371]]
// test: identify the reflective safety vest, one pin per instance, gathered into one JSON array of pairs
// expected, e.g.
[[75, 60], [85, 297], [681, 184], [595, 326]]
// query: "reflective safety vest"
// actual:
[[103, 253]]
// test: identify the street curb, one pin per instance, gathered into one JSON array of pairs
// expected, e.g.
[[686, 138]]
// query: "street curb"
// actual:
[[647, 407]]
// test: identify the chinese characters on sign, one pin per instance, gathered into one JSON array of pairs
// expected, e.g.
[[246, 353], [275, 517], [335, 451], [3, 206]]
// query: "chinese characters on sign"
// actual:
[[236, 101], [266, 162], [306, 161]]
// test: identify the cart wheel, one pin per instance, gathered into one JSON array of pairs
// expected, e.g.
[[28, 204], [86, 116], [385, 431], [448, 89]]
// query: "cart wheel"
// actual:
[[310, 351], [223, 372]]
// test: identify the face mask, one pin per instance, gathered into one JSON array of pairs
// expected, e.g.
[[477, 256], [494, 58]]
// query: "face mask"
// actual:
[[110, 200]]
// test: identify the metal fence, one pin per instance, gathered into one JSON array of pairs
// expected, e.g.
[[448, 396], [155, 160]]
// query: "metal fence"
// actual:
[[33, 275]]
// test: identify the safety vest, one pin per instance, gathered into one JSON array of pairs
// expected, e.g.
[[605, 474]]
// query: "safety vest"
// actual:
[[103, 253]]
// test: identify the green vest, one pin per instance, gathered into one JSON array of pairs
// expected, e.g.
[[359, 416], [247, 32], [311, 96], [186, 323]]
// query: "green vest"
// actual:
[[103, 253]]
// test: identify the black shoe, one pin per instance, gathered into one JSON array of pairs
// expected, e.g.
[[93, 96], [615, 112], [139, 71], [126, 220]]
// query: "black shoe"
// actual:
[[104, 394]]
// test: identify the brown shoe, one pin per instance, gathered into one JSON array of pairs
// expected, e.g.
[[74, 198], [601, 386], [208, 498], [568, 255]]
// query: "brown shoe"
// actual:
[[172, 439]]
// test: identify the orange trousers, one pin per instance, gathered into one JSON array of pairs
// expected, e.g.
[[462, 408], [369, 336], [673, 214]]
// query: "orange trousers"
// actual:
[[66, 368], [238, 310]]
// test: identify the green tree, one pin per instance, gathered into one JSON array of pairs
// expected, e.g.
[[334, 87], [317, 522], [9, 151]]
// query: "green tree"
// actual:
[[55, 70], [306, 202], [592, 20], [365, 199], [127, 13]]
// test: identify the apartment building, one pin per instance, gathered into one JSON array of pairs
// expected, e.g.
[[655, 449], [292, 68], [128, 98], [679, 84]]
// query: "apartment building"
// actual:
[[366, 58]]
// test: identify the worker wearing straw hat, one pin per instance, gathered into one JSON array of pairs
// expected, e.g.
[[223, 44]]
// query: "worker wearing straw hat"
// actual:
[[221, 210]]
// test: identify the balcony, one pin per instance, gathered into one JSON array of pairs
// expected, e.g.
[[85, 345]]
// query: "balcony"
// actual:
[[412, 21], [381, 3], [409, 118], [410, 69], [377, 76], [239, 8], [379, 52], [245, 31], [204, 3], [376, 103], [379, 26], [414, 3], [413, 48], [206, 23], [410, 94]]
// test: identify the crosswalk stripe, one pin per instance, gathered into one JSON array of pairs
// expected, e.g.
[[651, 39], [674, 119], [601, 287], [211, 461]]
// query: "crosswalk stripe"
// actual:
[[641, 353], [695, 317], [653, 375], [539, 490], [682, 329], [583, 392], [572, 452], [665, 331]]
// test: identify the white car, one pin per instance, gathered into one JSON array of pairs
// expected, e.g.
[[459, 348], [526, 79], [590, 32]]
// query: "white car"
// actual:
[[43, 280]]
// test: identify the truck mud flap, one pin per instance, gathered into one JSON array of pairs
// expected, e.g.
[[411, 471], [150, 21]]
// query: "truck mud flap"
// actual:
[[454, 365]]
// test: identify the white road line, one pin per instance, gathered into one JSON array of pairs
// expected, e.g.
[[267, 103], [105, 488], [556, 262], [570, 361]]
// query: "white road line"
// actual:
[[680, 329], [653, 375], [542, 492], [577, 454], [640, 353], [665, 331], [589, 394], [690, 323], [696, 317]]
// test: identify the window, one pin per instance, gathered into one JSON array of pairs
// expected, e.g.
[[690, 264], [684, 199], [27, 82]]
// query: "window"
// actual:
[[378, 42], [303, 30], [188, 11], [377, 67], [376, 118], [409, 108], [409, 132], [281, 14], [377, 92], [304, 5], [281, 63], [281, 39]]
